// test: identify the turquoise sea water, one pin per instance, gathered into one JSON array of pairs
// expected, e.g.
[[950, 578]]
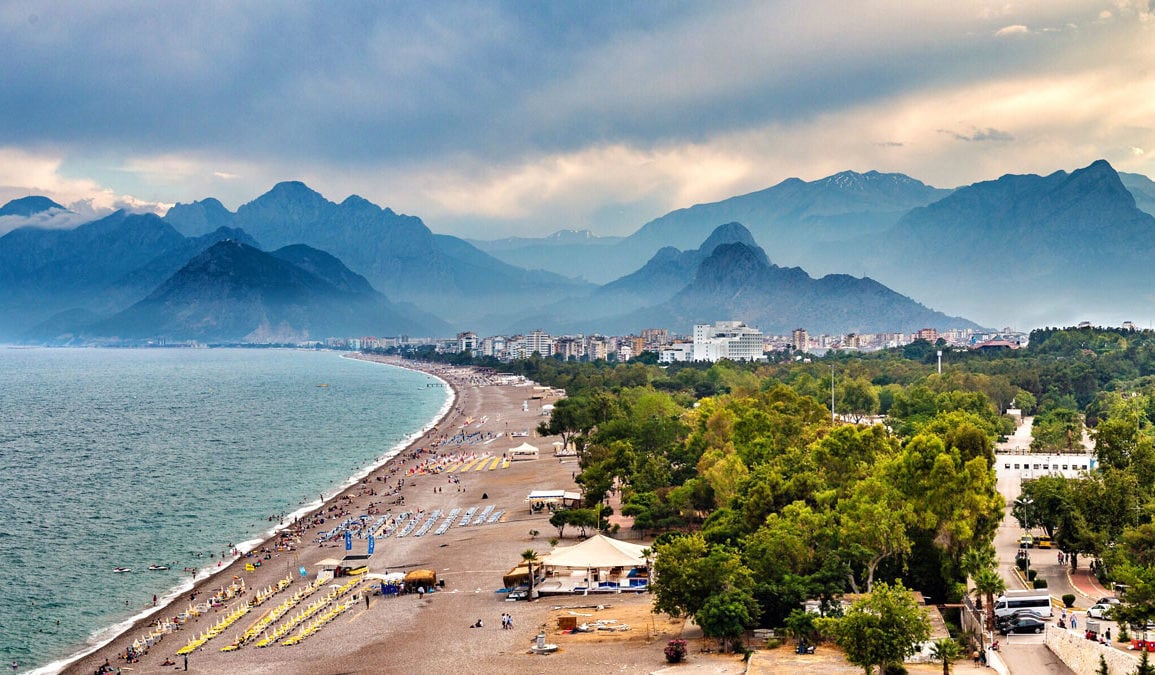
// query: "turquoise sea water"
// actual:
[[126, 458]]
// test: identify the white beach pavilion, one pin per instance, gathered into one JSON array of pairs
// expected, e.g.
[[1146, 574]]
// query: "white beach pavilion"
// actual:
[[598, 564]]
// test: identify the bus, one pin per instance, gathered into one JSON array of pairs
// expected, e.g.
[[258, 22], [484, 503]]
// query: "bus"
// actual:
[[1012, 601]]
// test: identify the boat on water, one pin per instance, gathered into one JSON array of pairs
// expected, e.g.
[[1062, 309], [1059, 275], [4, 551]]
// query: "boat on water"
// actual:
[[323, 384], [156, 568], [119, 570]]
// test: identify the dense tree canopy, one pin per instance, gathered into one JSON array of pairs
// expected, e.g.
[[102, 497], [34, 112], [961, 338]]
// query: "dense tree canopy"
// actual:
[[761, 500]]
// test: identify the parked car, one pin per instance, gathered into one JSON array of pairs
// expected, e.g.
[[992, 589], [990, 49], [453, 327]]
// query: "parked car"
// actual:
[[1026, 541], [1108, 601], [1023, 625], [1018, 614], [1100, 611]]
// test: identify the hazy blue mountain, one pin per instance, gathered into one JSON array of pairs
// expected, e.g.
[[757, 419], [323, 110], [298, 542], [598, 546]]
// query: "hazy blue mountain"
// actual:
[[396, 253], [803, 220], [730, 278], [28, 206], [143, 280], [657, 281], [559, 238], [738, 282], [1038, 249], [235, 292], [45, 271], [200, 217], [1142, 189]]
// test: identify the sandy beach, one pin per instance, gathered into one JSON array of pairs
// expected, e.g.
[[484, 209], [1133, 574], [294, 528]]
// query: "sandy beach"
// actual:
[[430, 634]]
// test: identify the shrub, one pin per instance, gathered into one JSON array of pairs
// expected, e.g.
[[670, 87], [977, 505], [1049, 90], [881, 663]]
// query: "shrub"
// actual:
[[1040, 583], [1123, 635], [1068, 600], [1031, 574], [773, 643], [675, 651], [1022, 563], [895, 669]]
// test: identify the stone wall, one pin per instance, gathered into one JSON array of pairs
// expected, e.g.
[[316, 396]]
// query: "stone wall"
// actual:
[[1082, 655]]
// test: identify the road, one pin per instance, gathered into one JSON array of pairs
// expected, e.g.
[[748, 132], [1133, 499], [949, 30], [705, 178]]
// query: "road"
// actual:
[[1025, 654]]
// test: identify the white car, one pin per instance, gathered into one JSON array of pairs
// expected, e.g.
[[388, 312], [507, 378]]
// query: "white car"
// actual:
[[1100, 611]]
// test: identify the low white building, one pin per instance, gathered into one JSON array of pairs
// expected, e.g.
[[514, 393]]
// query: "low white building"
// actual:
[[1028, 467], [679, 351]]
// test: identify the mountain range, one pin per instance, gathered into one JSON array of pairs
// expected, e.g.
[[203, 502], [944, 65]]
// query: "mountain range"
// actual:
[[1022, 250], [1017, 250]]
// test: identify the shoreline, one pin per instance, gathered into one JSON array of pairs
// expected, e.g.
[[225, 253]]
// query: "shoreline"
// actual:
[[205, 579]]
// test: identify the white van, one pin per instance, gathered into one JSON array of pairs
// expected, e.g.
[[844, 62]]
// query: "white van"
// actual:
[[1012, 601]]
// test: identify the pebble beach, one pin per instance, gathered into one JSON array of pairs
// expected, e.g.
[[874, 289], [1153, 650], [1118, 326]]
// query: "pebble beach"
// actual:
[[410, 633]]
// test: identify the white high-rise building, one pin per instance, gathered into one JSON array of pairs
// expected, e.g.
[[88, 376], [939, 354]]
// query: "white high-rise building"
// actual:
[[732, 340]]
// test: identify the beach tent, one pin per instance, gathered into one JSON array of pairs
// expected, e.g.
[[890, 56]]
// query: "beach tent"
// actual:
[[392, 576], [426, 578], [597, 552], [523, 451]]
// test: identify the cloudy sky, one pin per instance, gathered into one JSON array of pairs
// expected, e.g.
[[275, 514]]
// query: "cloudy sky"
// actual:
[[491, 119]]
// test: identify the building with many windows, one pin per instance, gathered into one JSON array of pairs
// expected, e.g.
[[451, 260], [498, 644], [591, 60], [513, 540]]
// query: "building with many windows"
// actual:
[[731, 340]]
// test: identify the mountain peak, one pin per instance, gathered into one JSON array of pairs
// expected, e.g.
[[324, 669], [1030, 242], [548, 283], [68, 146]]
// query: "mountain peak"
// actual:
[[29, 206], [730, 233], [852, 180]]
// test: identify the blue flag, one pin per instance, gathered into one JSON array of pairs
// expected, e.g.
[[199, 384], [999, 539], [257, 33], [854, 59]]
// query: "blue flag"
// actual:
[[348, 540], [372, 544]]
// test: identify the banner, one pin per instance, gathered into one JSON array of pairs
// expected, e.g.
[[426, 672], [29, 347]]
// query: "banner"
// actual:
[[372, 544], [348, 540]]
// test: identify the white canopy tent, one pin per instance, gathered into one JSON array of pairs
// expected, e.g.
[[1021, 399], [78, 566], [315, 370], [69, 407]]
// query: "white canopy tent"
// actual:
[[598, 564], [597, 552], [523, 451]]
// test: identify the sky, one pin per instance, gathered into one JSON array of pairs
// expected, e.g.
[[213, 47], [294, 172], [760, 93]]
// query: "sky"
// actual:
[[495, 119]]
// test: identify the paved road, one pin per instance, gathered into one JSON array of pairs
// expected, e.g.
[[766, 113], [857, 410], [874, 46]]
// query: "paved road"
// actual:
[[1025, 654]]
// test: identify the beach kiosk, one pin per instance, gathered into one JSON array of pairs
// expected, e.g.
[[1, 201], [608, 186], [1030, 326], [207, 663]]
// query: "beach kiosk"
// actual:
[[523, 451], [542, 500]]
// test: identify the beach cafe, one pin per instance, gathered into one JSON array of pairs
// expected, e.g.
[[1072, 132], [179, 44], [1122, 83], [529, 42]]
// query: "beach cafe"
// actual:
[[599, 564], [540, 500]]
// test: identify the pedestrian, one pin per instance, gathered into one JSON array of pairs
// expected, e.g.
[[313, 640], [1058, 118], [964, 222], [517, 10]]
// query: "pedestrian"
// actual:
[[366, 599], [1074, 621], [1108, 633], [975, 656]]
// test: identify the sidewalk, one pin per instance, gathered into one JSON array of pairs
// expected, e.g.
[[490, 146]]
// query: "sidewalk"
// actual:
[[1085, 583]]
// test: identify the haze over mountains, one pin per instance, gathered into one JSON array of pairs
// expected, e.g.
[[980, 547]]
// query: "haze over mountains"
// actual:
[[1021, 250]]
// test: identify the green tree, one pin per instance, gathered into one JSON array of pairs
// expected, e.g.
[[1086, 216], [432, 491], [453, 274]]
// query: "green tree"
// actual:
[[881, 628], [989, 583], [727, 615], [857, 398], [945, 650], [873, 526], [688, 571]]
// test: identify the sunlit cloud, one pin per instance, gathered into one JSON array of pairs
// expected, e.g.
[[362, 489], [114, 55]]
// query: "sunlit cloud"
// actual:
[[1017, 29]]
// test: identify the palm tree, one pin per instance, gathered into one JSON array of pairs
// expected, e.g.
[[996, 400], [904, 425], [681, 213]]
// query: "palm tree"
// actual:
[[945, 650], [530, 557], [989, 583]]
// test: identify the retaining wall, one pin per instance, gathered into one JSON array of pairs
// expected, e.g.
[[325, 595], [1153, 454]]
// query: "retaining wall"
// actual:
[[1082, 655]]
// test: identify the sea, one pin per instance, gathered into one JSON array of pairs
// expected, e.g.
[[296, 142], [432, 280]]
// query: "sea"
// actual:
[[136, 457]]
